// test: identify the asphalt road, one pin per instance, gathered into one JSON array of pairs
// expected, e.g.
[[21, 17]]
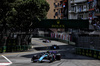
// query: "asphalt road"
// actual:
[[68, 57]]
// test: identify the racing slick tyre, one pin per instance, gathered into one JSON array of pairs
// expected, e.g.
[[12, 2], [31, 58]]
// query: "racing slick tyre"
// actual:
[[51, 59], [34, 57], [44, 41], [58, 56]]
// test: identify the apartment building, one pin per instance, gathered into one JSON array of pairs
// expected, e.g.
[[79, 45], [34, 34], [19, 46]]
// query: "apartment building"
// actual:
[[97, 10], [58, 9], [78, 9], [51, 13], [92, 7]]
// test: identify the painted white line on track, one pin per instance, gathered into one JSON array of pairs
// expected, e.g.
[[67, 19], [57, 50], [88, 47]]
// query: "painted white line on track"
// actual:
[[9, 62]]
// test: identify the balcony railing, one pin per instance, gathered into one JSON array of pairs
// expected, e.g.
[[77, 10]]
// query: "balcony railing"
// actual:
[[71, 2], [58, 0], [97, 13], [90, 0], [79, 1], [71, 11], [62, 14]]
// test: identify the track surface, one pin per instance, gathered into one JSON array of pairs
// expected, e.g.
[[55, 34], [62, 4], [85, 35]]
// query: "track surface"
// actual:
[[67, 52]]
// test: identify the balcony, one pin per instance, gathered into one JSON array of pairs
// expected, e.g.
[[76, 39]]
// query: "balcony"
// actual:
[[59, 7], [72, 1], [84, 10], [90, 0], [71, 11], [65, 1], [97, 14], [58, 0], [81, 10], [79, 1], [62, 14], [92, 9]]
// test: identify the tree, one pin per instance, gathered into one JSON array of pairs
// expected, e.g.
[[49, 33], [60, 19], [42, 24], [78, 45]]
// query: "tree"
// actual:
[[29, 10], [19, 14], [5, 8]]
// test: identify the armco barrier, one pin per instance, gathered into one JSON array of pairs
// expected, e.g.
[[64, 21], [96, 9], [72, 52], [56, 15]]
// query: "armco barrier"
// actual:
[[25, 47], [14, 48], [88, 52], [18, 48], [22, 47], [9, 48], [29, 46], [95, 53], [56, 39], [78, 51], [83, 51], [98, 54], [2, 49]]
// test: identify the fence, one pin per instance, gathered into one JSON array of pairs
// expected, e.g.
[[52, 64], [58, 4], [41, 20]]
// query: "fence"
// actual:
[[20, 42], [88, 41], [61, 36], [88, 45], [88, 52]]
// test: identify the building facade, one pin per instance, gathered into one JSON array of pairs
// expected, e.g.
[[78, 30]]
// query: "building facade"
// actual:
[[94, 13], [97, 10], [51, 13], [58, 9], [78, 9], [92, 7]]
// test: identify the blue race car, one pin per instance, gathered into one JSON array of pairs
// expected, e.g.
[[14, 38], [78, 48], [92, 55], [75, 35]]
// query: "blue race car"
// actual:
[[49, 56], [54, 47]]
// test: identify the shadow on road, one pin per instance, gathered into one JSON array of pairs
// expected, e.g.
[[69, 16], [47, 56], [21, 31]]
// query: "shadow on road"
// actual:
[[61, 47], [65, 54]]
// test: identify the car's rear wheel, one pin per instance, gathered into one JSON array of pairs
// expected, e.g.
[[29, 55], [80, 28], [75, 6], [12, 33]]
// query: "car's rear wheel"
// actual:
[[58, 56], [51, 59]]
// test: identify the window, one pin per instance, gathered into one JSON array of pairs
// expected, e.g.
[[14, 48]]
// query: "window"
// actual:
[[80, 16], [91, 5], [55, 4], [56, 14], [58, 4], [58, 11], [54, 10]]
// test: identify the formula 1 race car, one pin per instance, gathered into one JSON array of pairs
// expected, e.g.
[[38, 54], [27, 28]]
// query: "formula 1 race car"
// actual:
[[54, 47], [49, 56], [46, 41]]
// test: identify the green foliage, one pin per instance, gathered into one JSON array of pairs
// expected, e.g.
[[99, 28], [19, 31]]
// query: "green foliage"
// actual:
[[21, 13]]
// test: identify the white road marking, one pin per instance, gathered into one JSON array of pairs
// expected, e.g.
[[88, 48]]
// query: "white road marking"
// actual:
[[9, 62]]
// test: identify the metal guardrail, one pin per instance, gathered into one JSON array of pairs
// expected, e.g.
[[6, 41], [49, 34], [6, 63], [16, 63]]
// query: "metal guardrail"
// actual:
[[88, 52], [14, 48]]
